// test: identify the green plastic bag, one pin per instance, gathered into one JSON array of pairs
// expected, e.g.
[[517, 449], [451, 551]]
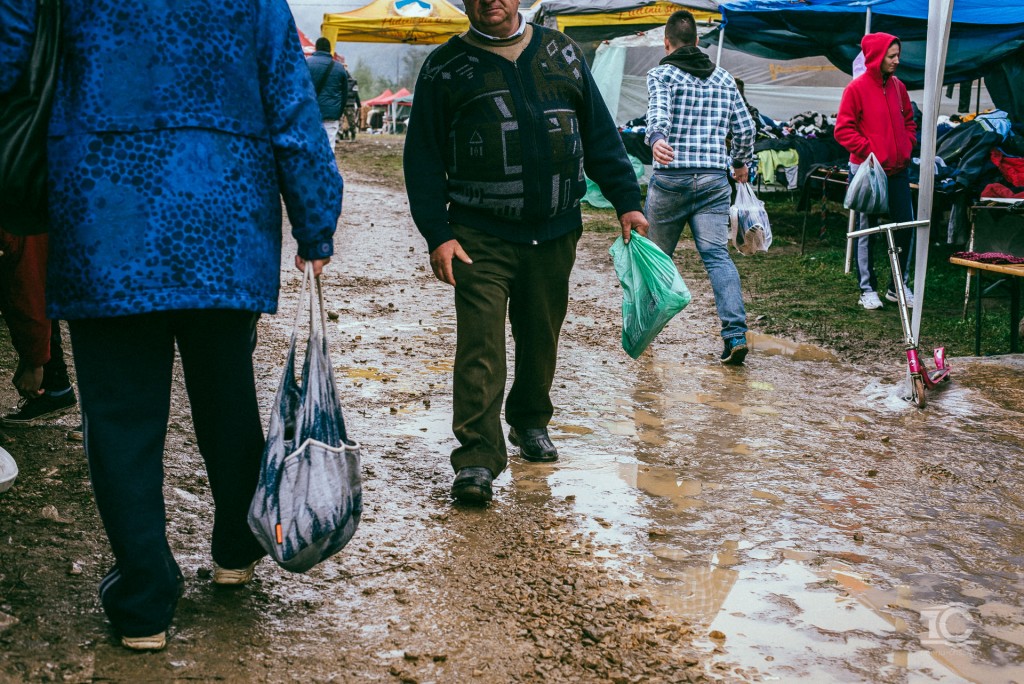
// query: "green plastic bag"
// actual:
[[594, 197], [652, 291]]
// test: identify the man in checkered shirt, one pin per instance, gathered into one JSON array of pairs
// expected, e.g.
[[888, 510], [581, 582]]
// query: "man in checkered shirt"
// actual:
[[693, 109]]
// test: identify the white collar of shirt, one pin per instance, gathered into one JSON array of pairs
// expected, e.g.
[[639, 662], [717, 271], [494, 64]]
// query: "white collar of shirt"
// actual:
[[518, 32]]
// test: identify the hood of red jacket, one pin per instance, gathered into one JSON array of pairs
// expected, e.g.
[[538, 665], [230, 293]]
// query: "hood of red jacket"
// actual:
[[874, 46]]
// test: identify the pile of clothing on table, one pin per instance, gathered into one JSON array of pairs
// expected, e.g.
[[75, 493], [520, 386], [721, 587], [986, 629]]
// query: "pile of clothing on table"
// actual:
[[632, 134], [788, 150], [981, 158], [983, 151]]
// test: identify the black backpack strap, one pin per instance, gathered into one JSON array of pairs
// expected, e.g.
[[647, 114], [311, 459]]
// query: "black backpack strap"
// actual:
[[323, 79]]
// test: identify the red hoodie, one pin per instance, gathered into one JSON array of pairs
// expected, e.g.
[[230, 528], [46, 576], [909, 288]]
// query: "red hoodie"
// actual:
[[875, 115]]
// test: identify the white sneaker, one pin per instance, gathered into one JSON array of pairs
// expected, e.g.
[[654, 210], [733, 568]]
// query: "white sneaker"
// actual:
[[891, 296], [229, 577], [869, 300], [157, 642]]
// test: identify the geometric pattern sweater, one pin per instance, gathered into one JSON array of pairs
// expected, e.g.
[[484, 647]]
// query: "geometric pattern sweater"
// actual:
[[501, 146]]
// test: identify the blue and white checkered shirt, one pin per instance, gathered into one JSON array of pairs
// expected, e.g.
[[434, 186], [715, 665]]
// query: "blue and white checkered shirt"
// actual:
[[695, 115]]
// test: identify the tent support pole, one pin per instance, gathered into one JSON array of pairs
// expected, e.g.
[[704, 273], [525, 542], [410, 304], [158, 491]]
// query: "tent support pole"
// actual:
[[867, 22], [940, 16], [721, 40], [977, 101]]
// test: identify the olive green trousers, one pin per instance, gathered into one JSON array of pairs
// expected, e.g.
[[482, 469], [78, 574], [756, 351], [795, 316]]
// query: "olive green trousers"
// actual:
[[530, 284]]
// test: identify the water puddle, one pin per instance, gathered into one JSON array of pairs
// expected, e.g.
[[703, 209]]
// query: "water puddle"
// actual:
[[811, 523], [772, 346]]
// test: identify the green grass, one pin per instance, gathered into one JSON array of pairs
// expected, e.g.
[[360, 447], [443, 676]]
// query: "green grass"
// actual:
[[808, 297], [373, 158]]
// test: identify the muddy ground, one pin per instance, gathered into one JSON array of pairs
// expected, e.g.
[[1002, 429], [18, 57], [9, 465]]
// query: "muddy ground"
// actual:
[[791, 520]]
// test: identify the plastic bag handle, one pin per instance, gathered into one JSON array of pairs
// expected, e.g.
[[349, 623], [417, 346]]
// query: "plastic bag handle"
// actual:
[[308, 277], [323, 309]]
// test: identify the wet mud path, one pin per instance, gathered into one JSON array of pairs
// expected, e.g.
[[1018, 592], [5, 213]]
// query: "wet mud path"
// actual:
[[794, 519]]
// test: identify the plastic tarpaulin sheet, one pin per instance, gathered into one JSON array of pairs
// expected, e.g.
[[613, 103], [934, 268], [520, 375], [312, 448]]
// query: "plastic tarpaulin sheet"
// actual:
[[586, 21], [1004, 82], [984, 32], [606, 6], [417, 22], [777, 88]]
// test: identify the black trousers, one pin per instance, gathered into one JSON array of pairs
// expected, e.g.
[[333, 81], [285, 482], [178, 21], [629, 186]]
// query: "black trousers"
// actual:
[[124, 367], [530, 283], [55, 371]]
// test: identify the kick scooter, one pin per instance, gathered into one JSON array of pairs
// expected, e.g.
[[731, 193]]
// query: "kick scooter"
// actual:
[[921, 379]]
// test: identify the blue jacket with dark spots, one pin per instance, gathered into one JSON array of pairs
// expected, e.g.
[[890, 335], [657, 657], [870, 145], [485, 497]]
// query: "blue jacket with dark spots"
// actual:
[[177, 129]]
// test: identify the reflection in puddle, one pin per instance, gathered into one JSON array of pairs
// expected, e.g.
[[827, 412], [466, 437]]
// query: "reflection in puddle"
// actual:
[[664, 483], [766, 496], [416, 423], [766, 344], [572, 429], [832, 496]]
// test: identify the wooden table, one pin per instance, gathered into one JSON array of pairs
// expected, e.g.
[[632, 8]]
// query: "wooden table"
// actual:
[[1015, 271]]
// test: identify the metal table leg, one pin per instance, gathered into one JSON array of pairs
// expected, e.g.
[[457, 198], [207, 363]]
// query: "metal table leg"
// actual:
[[1014, 314], [803, 234], [977, 314]]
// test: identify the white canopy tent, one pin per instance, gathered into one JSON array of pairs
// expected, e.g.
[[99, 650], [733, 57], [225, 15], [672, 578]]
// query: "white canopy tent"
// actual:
[[778, 88], [940, 17]]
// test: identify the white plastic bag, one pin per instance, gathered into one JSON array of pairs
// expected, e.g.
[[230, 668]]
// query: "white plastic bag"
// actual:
[[868, 190], [753, 231]]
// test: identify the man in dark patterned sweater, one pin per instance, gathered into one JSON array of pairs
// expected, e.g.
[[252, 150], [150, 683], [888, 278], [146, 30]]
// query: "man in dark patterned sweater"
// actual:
[[505, 119]]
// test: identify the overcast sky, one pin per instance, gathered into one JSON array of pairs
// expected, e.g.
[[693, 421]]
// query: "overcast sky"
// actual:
[[382, 57], [309, 15]]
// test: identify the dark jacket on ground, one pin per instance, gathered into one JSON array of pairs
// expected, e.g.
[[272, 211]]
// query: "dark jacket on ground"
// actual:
[[501, 146], [331, 97]]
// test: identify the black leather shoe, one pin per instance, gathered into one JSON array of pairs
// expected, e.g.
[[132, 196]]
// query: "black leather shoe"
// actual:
[[534, 444], [472, 485]]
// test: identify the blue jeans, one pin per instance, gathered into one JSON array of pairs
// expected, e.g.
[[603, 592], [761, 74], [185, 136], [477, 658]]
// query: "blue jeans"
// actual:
[[702, 201]]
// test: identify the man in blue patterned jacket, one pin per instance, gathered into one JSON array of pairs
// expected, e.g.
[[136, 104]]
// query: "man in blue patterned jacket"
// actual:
[[693, 109], [504, 120], [166, 174]]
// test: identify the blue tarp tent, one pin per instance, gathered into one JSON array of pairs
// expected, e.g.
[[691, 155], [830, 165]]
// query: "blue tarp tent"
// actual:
[[983, 34]]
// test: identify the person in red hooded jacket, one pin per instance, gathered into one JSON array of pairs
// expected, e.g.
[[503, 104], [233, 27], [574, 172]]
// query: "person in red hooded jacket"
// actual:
[[875, 116]]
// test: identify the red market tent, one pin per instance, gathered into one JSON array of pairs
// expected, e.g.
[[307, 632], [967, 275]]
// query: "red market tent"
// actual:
[[308, 47], [382, 99], [390, 102]]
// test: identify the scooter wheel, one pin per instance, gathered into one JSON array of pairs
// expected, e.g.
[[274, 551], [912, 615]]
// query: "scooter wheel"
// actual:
[[917, 384]]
